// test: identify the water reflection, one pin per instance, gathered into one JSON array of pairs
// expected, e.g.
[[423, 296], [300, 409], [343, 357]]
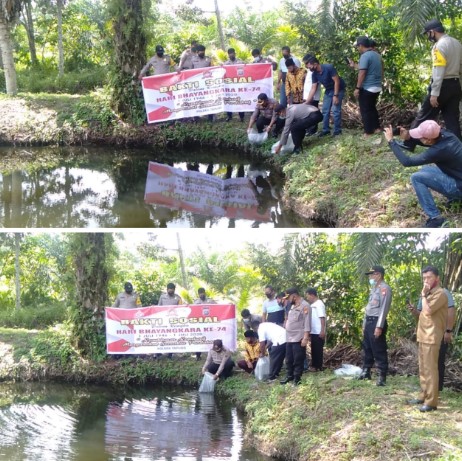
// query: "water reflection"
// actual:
[[100, 188], [49, 422]]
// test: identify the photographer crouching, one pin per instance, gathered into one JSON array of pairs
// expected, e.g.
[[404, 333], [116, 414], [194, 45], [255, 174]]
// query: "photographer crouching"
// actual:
[[445, 176]]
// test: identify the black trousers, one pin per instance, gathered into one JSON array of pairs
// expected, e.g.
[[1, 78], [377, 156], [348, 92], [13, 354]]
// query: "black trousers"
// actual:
[[375, 349], [441, 364], [264, 121], [227, 369], [241, 115], [448, 106], [277, 355], [299, 127], [295, 357], [317, 351], [368, 109]]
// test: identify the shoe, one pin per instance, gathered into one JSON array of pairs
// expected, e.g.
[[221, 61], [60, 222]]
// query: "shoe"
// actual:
[[336, 134], [297, 150], [425, 408], [381, 380], [228, 119], [415, 402], [287, 380], [323, 133], [365, 374], [297, 382], [435, 222], [271, 380]]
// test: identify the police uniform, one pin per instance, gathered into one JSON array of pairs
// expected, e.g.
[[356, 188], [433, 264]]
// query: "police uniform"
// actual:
[[167, 300], [298, 323], [161, 65], [430, 333], [126, 300], [186, 60], [445, 84], [198, 62], [375, 349], [206, 301]]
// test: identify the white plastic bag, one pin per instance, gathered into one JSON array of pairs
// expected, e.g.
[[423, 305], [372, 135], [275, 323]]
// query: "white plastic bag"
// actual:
[[262, 369], [257, 138], [348, 370], [208, 383], [287, 149]]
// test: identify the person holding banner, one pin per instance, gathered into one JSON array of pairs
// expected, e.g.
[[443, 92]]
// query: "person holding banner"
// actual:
[[128, 299], [202, 300], [160, 62], [219, 362], [199, 61], [187, 55], [169, 299], [232, 61]]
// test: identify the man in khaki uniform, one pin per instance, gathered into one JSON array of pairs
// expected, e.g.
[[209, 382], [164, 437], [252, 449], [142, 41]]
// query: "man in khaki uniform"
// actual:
[[128, 299], [186, 57], [200, 60], [430, 332], [298, 326], [160, 62]]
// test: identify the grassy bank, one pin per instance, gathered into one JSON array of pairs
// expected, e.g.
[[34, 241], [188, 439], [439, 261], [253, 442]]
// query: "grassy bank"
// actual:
[[326, 418], [345, 181]]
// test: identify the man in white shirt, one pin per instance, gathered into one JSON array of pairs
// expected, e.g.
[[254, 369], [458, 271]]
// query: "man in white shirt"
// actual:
[[318, 328], [271, 336]]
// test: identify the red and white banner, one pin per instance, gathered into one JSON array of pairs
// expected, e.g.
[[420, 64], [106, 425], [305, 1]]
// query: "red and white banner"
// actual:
[[204, 194], [209, 90], [160, 329]]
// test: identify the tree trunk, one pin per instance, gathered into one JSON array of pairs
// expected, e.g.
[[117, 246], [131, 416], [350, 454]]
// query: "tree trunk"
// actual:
[[17, 269], [28, 24], [59, 5], [219, 25], [453, 267], [91, 253], [128, 57], [6, 47]]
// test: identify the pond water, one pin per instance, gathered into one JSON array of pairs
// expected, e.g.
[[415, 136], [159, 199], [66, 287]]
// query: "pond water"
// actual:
[[50, 422], [76, 187]]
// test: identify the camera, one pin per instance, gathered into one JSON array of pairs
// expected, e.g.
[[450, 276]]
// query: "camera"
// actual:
[[396, 131]]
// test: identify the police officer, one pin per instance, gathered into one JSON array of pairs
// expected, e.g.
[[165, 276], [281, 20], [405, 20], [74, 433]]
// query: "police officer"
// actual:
[[186, 57], [170, 298], [200, 59], [160, 62], [203, 299], [375, 326], [298, 328], [232, 61], [128, 299]]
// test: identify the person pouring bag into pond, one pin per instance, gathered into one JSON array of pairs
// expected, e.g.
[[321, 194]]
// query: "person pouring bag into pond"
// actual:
[[375, 326], [218, 362], [265, 115], [445, 176]]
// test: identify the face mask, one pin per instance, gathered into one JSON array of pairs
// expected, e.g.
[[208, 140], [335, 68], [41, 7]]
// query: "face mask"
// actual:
[[160, 54], [269, 295], [201, 55], [372, 282], [431, 37], [202, 297]]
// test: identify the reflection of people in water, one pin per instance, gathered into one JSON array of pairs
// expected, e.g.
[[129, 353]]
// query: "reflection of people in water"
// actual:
[[264, 193]]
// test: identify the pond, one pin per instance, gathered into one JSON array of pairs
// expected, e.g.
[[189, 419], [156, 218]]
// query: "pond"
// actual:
[[77, 187], [53, 422]]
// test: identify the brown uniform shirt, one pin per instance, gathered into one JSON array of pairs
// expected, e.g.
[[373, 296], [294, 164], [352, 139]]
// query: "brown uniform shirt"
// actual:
[[127, 301], [198, 63], [160, 65], [430, 329], [298, 322]]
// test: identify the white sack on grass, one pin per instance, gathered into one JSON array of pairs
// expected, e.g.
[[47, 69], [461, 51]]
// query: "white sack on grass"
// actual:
[[208, 383], [262, 369], [287, 149], [348, 370], [257, 138]]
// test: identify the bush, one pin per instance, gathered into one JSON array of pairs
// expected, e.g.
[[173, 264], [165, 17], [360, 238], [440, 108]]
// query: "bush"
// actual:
[[33, 317], [47, 81]]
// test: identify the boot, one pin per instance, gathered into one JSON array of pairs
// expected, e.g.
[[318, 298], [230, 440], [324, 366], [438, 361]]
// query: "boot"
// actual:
[[381, 379], [365, 374]]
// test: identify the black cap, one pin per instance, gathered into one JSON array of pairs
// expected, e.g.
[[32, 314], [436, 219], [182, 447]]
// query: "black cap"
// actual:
[[159, 48], [364, 41], [376, 269], [433, 24]]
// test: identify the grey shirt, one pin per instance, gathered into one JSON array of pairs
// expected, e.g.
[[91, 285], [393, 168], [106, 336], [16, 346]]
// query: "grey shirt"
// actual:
[[167, 300], [379, 303], [127, 301], [161, 65]]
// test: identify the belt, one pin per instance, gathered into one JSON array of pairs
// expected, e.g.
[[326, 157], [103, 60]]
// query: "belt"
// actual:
[[370, 318], [455, 79]]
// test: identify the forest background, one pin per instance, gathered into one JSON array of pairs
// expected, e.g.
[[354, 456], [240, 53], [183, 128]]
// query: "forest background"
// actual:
[[98, 47]]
